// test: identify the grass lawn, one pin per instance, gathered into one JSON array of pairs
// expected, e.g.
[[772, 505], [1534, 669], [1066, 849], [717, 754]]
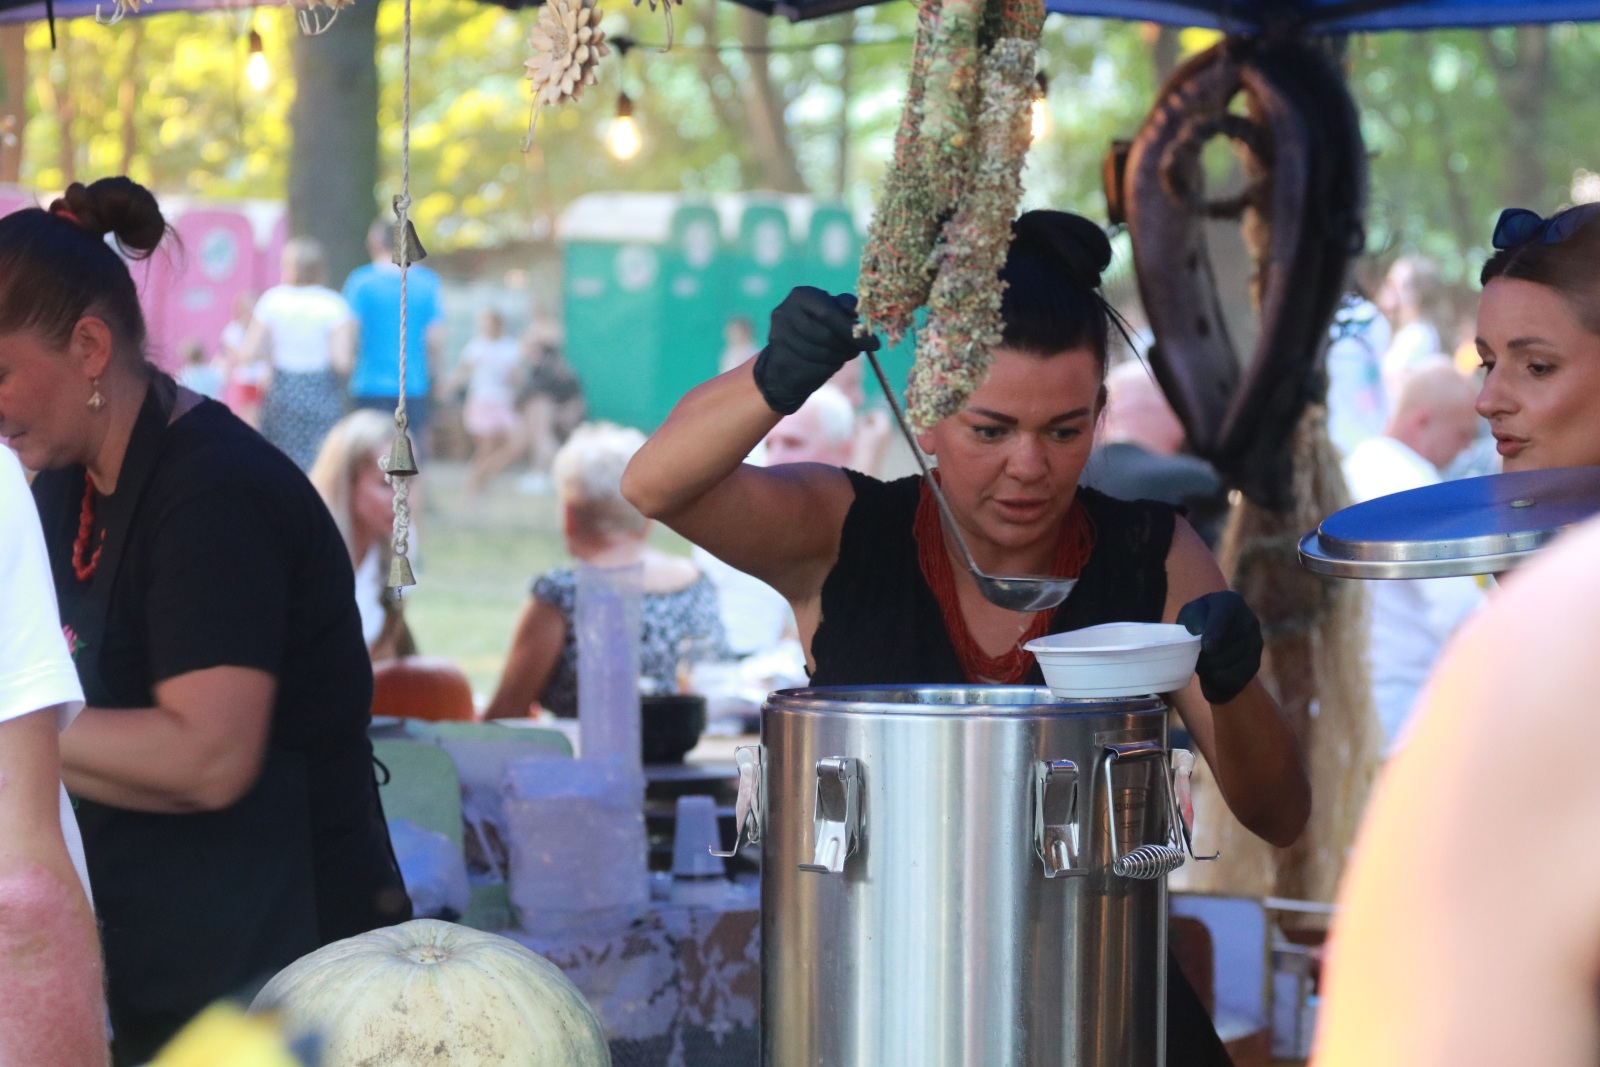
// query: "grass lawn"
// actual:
[[475, 562]]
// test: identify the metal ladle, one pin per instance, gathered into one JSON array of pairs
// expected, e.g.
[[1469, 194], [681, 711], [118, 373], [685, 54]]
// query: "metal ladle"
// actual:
[[1014, 592]]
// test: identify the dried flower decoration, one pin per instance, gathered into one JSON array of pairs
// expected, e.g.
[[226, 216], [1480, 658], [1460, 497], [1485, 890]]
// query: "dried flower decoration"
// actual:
[[567, 45], [119, 10], [666, 9]]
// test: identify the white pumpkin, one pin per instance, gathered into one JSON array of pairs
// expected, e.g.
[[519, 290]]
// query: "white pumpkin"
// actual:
[[434, 993]]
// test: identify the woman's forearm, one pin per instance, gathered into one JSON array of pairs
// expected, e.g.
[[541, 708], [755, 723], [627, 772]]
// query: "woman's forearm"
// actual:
[[703, 441], [1259, 768], [151, 759]]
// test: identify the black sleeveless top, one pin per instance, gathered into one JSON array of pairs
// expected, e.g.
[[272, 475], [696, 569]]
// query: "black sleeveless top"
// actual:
[[882, 626]]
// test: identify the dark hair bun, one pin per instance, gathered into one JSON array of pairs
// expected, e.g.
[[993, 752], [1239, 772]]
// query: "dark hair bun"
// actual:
[[1069, 244], [118, 206]]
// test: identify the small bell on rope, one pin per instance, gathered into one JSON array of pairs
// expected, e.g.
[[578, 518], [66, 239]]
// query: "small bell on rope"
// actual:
[[400, 575], [401, 462], [407, 244]]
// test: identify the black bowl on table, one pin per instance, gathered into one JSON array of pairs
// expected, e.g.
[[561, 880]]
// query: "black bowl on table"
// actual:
[[670, 725]]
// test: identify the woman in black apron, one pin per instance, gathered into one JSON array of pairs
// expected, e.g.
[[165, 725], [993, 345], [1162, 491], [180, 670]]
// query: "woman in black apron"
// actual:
[[225, 787], [878, 590]]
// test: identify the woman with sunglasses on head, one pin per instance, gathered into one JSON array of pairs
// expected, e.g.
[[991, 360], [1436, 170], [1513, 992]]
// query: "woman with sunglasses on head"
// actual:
[[227, 800], [1539, 339], [878, 589]]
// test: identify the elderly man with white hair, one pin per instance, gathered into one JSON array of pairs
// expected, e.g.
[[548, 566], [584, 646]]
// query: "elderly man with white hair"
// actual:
[[1432, 421]]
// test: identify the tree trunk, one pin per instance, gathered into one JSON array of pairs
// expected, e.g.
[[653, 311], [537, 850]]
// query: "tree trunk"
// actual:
[[764, 109], [14, 104], [128, 98], [716, 76], [1524, 76], [333, 123], [1164, 52]]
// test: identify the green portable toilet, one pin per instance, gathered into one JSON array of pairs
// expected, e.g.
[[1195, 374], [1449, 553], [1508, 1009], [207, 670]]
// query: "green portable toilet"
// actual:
[[763, 265], [694, 268]]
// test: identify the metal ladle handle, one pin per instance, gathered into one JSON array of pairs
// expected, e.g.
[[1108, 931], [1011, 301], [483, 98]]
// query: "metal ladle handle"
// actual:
[[922, 462]]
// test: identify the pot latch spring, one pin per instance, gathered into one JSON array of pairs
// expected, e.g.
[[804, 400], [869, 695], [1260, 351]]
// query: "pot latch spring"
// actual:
[[747, 806], [1055, 817], [836, 823]]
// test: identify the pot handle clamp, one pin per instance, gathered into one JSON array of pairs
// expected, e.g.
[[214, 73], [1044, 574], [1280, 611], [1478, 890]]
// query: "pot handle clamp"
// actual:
[[747, 806], [1148, 861], [836, 822], [1055, 818]]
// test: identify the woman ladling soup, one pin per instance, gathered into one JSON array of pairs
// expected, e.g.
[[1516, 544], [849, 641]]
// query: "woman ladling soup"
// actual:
[[228, 805], [1539, 339], [877, 589]]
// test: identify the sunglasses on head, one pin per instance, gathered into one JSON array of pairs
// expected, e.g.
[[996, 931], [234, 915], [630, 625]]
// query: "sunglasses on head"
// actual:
[[1517, 225]]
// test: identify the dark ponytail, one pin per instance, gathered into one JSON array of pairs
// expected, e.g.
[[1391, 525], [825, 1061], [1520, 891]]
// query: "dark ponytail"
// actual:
[[56, 267], [1052, 301]]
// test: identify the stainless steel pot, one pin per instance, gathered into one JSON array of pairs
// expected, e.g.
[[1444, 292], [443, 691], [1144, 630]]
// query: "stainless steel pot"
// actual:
[[961, 877]]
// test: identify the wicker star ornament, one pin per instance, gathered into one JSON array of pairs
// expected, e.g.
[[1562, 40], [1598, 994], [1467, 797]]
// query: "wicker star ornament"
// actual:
[[567, 45]]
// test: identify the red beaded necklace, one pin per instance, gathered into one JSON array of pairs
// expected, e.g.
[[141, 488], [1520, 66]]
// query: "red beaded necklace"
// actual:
[[1073, 548], [80, 544]]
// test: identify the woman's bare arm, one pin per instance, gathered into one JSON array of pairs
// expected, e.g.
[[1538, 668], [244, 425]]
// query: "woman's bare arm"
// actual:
[[1247, 743], [1469, 923], [534, 652], [199, 749], [780, 524]]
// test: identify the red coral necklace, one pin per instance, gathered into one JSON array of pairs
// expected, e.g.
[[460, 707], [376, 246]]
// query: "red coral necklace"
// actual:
[[80, 544], [1074, 545]]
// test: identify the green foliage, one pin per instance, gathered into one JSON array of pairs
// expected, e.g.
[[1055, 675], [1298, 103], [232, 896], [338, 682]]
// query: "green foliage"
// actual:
[[1437, 113]]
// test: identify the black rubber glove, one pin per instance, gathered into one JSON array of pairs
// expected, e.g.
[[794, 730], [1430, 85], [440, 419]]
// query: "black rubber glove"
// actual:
[[812, 336], [1230, 643]]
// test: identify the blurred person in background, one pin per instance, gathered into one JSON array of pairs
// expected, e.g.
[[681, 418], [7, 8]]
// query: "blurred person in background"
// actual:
[[738, 342], [1409, 300], [246, 379], [604, 530], [304, 331], [52, 1012], [225, 785], [1138, 455], [489, 364], [550, 401], [1357, 405], [373, 292], [359, 498], [204, 376], [1410, 621]]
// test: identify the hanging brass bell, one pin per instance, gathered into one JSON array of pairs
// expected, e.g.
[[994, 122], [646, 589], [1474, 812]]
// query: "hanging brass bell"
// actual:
[[400, 576], [407, 244], [401, 462]]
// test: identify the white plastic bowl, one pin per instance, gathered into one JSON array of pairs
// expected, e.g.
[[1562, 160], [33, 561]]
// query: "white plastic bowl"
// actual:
[[1118, 659]]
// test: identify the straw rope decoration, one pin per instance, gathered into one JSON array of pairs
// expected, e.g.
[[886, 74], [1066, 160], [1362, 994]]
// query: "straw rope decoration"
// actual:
[[399, 466], [943, 226]]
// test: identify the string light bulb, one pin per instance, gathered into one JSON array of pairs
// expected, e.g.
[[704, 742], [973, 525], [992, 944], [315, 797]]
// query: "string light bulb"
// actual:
[[622, 135], [1039, 119], [256, 71]]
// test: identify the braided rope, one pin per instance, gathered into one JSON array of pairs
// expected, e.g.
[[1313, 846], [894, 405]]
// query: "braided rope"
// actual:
[[400, 542]]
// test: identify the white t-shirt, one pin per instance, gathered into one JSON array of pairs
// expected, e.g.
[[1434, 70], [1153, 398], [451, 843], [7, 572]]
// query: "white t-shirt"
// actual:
[[1410, 620], [492, 364], [36, 669], [301, 320]]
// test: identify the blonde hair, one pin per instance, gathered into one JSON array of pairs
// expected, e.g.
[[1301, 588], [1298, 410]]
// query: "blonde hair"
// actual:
[[355, 440], [303, 262], [587, 471]]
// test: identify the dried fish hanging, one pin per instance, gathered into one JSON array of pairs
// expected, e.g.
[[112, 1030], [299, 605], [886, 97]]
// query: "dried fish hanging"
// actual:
[[943, 226], [400, 465]]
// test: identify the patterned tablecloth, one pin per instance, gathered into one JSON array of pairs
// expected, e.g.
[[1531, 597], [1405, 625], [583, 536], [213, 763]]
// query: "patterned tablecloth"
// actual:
[[678, 987]]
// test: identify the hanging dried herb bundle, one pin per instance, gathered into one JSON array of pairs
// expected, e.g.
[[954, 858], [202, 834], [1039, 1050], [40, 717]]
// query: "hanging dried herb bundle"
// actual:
[[944, 222], [964, 307]]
